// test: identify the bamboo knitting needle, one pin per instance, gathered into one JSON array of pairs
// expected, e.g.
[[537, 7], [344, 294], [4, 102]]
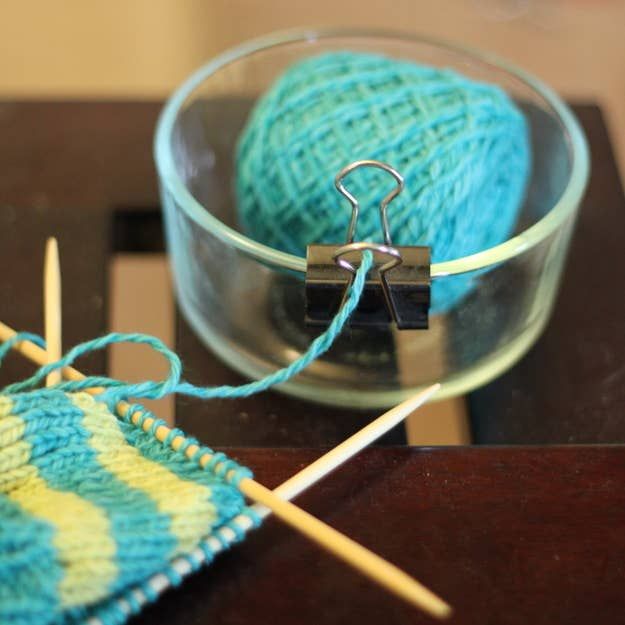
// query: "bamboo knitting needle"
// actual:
[[340, 454], [368, 563], [306, 477], [52, 307]]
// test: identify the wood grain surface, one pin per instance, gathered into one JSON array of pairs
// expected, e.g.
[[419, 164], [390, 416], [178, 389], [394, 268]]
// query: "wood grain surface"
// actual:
[[509, 535]]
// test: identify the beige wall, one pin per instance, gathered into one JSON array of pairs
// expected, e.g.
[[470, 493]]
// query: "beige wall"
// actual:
[[142, 48]]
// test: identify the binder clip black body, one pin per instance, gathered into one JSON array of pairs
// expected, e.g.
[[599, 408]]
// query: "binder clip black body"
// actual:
[[397, 288]]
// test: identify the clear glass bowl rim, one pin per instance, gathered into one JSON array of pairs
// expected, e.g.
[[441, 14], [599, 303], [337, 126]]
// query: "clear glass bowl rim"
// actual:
[[513, 246]]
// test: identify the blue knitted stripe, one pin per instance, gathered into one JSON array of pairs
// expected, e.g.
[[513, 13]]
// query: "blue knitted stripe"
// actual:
[[29, 569], [60, 444], [111, 612], [228, 501]]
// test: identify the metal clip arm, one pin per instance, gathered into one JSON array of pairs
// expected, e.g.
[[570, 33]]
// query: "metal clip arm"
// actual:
[[397, 290]]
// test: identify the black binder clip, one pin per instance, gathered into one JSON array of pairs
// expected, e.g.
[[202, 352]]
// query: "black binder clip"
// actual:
[[397, 287]]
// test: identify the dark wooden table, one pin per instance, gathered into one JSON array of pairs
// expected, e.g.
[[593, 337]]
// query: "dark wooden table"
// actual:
[[506, 534]]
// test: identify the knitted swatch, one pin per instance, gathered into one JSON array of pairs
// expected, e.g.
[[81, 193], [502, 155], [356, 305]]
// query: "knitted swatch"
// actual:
[[92, 507], [97, 516]]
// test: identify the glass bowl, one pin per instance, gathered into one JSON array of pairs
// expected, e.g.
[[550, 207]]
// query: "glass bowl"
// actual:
[[245, 300]]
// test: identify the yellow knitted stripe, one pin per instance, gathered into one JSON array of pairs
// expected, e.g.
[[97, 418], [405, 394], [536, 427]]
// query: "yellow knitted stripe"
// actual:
[[187, 503], [82, 539], [14, 452], [11, 429], [6, 406]]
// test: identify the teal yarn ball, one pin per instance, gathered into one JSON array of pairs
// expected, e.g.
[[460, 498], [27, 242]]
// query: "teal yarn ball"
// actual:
[[461, 145]]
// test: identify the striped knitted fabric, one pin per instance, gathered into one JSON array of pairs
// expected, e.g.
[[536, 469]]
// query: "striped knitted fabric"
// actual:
[[97, 516]]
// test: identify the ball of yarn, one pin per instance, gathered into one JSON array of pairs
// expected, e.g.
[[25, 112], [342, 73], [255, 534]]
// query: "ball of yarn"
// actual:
[[461, 145]]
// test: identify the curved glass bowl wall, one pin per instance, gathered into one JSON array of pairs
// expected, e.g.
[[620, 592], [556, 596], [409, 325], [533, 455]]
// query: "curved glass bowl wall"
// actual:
[[245, 301]]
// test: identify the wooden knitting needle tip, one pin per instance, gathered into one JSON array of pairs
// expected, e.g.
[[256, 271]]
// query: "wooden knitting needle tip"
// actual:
[[52, 308], [368, 563], [340, 454], [360, 558]]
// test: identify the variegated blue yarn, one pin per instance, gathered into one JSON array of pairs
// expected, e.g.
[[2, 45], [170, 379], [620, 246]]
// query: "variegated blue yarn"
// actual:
[[462, 147], [116, 390], [97, 516]]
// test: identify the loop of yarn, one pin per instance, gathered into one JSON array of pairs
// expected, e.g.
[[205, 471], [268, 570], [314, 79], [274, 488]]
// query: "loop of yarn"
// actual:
[[7, 346], [150, 389], [462, 147], [116, 390]]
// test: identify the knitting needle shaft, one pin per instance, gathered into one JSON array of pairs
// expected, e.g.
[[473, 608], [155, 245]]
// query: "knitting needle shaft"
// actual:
[[367, 562], [312, 473], [340, 454], [371, 565], [52, 308]]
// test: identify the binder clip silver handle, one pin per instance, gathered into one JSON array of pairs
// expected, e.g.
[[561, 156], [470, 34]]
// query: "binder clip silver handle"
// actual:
[[396, 290], [338, 183]]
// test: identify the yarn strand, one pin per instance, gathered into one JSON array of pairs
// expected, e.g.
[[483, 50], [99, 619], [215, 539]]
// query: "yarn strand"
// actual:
[[7, 346], [115, 390]]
